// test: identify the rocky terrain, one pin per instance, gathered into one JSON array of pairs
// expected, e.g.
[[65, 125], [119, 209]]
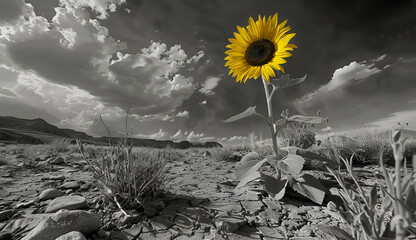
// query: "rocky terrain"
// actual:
[[45, 196]]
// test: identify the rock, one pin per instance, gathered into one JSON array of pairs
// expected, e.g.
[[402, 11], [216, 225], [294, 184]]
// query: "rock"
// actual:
[[50, 193], [70, 185], [64, 222], [235, 156], [55, 178], [21, 226], [252, 207], [41, 158], [7, 214], [271, 233], [56, 160], [74, 235], [229, 222], [207, 154], [27, 204], [157, 235], [66, 202]]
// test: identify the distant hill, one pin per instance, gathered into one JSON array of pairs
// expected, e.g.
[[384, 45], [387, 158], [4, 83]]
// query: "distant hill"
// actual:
[[38, 131]]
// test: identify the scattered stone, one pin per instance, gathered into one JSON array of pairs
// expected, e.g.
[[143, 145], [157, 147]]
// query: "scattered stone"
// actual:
[[157, 235], [272, 204], [225, 206], [23, 225], [70, 185], [41, 158], [74, 235], [318, 214], [55, 178], [235, 157], [270, 233], [56, 160], [63, 222], [7, 214], [229, 222], [66, 202], [27, 204], [50, 193], [252, 207]]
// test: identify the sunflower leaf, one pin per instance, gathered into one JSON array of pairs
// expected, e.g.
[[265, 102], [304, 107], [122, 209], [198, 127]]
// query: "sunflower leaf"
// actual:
[[306, 119], [251, 111], [285, 81]]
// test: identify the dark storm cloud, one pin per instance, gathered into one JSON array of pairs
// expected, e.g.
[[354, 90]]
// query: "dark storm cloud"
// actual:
[[11, 10]]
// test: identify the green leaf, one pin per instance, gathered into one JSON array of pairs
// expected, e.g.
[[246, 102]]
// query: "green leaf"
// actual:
[[336, 232], [251, 111], [291, 164], [306, 119], [285, 81], [247, 170], [309, 187], [276, 189]]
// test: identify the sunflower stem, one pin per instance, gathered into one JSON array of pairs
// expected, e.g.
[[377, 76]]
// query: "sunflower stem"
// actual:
[[272, 126]]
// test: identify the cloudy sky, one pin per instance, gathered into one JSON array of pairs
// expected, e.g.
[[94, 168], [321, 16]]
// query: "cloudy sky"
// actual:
[[70, 61]]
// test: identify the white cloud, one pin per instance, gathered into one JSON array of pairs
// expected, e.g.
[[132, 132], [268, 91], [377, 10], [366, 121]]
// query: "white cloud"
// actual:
[[195, 59], [203, 102], [183, 114], [327, 129], [4, 92], [102, 7], [75, 53], [397, 117], [179, 135], [349, 75], [209, 85], [161, 135]]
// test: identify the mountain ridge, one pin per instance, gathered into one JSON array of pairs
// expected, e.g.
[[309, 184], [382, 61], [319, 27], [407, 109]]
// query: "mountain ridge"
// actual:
[[38, 131]]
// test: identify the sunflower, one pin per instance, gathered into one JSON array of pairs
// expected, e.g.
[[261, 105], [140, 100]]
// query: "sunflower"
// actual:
[[259, 49]]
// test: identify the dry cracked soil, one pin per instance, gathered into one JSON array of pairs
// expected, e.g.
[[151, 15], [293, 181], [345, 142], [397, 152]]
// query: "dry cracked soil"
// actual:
[[44, 196]]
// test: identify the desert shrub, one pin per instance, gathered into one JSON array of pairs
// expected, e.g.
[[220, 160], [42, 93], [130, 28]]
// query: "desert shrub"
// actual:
[[221, 153], [184, 145], [59, 145], [299, 135], [127, 175], [387, 211]]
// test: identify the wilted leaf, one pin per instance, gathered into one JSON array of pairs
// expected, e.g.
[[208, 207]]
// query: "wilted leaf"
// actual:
[[275, 188], [251, 111], [306, 119], [247, 171], [291, 164], [336, 232], [249, 160], [309, 187], [365, 223], [285, 81], [250, 177]]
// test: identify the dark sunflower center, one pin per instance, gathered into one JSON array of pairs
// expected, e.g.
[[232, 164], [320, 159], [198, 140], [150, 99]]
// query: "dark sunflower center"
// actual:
[[259, 52]]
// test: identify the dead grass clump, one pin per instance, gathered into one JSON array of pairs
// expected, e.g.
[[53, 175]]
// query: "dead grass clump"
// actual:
[[60, 145], [128, 177]]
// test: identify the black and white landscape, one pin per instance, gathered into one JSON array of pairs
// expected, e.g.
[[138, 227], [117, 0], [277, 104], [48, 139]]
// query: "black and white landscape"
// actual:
[[112, 119]]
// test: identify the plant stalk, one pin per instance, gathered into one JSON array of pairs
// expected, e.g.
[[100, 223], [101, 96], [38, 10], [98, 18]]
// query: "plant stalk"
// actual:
[[400, 231], [271, 125]]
